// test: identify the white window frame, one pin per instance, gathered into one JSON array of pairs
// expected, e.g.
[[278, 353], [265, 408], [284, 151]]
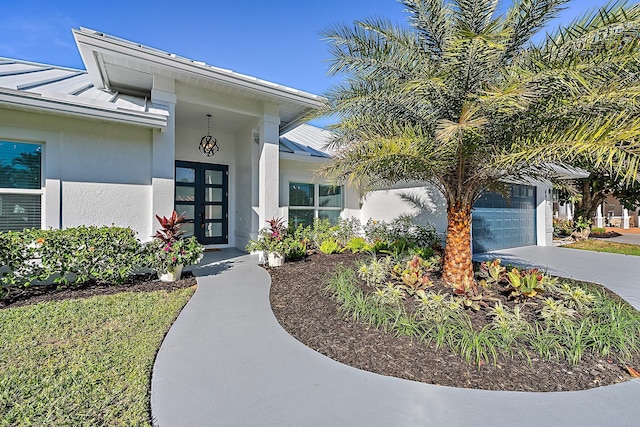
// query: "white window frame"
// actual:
[[316, 208], [29, 191]]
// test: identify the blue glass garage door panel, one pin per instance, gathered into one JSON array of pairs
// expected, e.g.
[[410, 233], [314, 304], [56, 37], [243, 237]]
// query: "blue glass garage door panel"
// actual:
[[498, 224]]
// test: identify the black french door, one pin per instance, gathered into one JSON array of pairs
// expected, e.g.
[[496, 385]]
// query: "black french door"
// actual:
[[202, 195]]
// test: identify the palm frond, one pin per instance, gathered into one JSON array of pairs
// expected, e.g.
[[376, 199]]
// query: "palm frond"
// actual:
[[526, 18], [430, 19]]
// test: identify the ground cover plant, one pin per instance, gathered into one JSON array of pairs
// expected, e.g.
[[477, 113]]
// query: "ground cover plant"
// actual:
[[82, 355], [600, 246], [524, 333]]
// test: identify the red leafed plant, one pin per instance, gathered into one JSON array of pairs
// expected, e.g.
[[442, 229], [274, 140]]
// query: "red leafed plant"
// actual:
[[170, 227]]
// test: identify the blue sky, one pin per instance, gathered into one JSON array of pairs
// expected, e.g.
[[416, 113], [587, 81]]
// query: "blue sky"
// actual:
[[275, 40]]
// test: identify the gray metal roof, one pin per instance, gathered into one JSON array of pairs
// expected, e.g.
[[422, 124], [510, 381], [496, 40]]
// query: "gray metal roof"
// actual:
[[65, 84], [306, 140]]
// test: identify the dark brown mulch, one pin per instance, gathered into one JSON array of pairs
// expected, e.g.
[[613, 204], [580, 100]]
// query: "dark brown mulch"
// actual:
[[306, 311], [136, 283], [606, 235]]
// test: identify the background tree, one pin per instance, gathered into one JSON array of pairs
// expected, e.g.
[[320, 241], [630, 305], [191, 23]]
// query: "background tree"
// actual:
[[461, 98], [587, 194]]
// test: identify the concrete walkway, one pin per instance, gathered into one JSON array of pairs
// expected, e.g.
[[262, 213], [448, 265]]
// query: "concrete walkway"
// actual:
[[227, 362]]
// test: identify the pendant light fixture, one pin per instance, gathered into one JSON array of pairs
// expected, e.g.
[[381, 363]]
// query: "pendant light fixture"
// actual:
[[208, 144]]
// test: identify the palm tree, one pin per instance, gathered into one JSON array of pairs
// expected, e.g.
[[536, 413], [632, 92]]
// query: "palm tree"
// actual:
[[463, 99]]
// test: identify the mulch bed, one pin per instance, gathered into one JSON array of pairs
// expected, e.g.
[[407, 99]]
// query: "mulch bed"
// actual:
[[136, 283], [605, 235], [305, 309]]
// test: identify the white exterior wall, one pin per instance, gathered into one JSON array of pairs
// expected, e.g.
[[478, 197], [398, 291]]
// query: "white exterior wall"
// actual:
[[94, 173], [387, 205], [305, 171]]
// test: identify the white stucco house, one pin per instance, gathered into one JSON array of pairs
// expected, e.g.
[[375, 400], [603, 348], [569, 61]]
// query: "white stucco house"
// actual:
[[118, 143]]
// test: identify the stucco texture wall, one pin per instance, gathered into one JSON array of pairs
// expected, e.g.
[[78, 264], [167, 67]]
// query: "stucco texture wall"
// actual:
[[387, 205], [94, 173]]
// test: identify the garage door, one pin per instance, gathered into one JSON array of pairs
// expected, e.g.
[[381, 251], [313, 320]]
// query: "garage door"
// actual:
[[498, 224]]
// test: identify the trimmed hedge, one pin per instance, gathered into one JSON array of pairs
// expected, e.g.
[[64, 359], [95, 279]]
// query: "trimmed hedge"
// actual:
[[73, 255]]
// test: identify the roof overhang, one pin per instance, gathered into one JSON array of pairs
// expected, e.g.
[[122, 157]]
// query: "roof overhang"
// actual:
[[118, 64], [29, 101]]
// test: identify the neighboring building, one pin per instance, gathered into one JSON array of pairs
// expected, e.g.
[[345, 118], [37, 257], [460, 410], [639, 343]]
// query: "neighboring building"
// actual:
[[119, 143]]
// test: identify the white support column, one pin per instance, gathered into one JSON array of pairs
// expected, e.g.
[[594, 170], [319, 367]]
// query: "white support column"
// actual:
[[625, 219], [269, 166], [544, 216], [599, 218], [164, 147]]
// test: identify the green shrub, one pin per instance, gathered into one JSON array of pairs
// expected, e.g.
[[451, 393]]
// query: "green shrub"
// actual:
[[357, 245], [294, 249], [347, 229], [374, 271], [103, 254], [330, 246]]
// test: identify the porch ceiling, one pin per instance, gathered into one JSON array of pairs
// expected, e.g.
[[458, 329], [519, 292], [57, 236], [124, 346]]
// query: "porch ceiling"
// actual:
[[195, 116]]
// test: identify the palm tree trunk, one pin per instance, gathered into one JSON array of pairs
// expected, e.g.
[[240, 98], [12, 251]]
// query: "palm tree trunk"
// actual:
[[457, 269]]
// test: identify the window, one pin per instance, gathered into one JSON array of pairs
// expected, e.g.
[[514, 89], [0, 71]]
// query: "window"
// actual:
[[309, 201], [20, 185]]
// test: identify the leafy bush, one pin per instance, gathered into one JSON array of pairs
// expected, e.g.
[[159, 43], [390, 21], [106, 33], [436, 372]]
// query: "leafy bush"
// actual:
[[294, 249], [525, 283], [271, 239], [164, 257], [169, 250], [322, 231], [375, 271], [347, 229], [103, 254], [330, 246], [400, 235], [414, 276], [562, 227], [357, 245], [554, 311]]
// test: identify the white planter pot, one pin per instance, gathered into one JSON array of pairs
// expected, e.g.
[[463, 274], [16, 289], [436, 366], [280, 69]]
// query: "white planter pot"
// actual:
[[172, 276], [275, 260]]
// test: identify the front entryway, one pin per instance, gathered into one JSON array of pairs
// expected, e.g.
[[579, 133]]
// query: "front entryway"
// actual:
[[201, 194]]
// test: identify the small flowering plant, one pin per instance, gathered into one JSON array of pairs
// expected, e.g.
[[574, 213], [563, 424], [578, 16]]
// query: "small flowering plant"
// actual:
[[271, 239], [169, 249]]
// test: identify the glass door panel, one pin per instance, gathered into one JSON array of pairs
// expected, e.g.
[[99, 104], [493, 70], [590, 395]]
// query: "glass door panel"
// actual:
[[214, 229], [186, 175], [202, 195], [213, 212], [185, 194], [213, 195], [214, 177]]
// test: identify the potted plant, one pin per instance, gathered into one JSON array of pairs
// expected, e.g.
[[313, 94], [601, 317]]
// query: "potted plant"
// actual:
[[169, 251], [271, 242]]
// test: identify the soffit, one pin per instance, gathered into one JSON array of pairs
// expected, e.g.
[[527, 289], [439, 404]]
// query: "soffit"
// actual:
[[129, 67]]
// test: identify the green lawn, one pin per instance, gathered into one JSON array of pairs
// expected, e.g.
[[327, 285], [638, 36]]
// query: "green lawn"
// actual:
[[604, 246], [83, 362]]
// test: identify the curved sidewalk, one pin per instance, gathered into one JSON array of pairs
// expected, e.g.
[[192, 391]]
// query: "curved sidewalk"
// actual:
[[227, 362]]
